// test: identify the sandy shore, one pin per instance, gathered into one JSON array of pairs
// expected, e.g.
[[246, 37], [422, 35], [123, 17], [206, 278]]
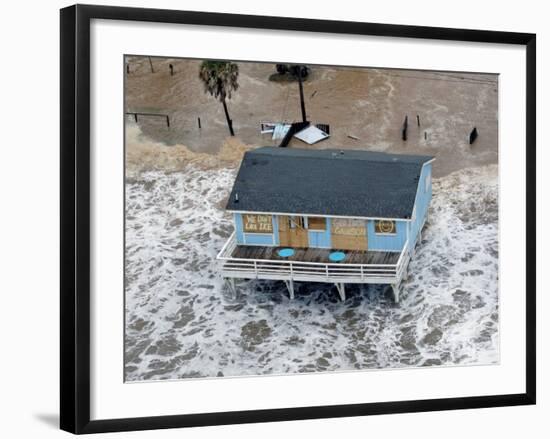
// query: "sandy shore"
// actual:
[[368, 104]]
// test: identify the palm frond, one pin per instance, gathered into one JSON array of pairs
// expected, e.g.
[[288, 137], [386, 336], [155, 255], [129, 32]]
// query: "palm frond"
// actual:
[[220, 78]]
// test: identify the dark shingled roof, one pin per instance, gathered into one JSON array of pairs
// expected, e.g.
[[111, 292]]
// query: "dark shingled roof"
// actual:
[[327, 182]]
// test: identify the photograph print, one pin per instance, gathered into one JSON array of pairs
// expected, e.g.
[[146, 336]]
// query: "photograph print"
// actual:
[[290, 218]]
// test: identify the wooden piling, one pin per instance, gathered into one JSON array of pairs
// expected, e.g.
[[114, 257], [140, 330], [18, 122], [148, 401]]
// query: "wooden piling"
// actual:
[[473, 135]]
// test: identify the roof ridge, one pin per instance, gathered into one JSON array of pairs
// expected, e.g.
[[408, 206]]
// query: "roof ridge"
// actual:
[[343, 155]]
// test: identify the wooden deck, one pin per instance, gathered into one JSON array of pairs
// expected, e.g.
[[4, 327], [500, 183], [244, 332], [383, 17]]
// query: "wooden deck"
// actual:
[[312, 265], [315, 255]]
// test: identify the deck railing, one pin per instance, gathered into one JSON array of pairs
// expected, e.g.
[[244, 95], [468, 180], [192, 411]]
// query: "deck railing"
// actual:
[[310, 271]]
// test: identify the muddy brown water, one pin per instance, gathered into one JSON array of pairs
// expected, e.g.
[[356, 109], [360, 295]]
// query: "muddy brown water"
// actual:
[[367, 104]]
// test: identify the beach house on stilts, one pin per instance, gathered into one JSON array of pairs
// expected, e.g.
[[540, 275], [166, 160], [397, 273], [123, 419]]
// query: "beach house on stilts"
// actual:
[[335, 216]]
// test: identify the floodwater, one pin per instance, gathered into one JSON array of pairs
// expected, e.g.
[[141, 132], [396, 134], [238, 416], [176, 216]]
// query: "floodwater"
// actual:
[[368, 104], [181, 320]]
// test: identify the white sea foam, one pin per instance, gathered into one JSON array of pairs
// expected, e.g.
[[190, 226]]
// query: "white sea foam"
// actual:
[[181, 321]]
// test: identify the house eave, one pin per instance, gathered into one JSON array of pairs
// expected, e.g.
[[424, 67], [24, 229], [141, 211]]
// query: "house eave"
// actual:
[[317, 214]]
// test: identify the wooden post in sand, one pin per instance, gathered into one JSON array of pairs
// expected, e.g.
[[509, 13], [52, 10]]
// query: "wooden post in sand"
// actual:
[[151, 64], [199, 121], [171, 69], [473, 135], [405, 126]]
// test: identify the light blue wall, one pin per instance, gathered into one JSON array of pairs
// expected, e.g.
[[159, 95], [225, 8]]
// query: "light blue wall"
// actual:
[[422, 203], [239, 228], [320, 239], [258, 239], [387, 242], [374, 241], [255, 238], [275, 229]]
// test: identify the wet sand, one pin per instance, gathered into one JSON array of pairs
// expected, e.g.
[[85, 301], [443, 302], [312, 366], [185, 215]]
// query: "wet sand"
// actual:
[[369, 104]]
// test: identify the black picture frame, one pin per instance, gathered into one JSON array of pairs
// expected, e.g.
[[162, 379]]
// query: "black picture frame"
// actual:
[[75, 218]]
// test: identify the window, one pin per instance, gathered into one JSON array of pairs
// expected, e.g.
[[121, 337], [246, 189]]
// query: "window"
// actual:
[[257, 223], [296, 222], [316, 223], [385, 227]]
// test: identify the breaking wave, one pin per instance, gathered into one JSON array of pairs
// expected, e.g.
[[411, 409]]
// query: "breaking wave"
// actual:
[[181, 321]]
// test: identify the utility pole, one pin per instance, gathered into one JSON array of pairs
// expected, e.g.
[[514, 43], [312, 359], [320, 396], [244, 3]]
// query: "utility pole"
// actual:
[[302, 104]]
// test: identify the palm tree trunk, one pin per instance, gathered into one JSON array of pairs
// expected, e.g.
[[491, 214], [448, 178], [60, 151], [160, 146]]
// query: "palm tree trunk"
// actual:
[[229, 121]]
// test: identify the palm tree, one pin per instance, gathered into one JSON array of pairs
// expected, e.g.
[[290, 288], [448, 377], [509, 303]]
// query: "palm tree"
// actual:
[[220, 80], [301, 72]]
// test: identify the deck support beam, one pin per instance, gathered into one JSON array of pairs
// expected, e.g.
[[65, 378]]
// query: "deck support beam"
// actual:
[[231, 282], [290, 286], [395, 289], [406, 272], [341, 287]]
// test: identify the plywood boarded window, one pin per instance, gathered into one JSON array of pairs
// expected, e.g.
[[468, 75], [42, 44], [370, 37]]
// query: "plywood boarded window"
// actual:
[[316, 223], [349, 234], [348, 227], [385, 227], [257, 223]]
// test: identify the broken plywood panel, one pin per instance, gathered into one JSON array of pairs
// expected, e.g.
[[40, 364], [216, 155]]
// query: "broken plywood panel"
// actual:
[[311, 135]]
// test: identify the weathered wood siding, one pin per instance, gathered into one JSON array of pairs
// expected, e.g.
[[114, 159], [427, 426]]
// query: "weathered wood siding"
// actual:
[[348, 234], [292, 237]]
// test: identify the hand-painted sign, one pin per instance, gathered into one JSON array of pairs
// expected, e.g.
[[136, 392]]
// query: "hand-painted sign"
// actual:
[[348, 227], [384, 226], [257, 223]]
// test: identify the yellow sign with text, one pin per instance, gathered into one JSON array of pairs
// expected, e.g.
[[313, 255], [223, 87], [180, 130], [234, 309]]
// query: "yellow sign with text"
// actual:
[[257, 223]]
